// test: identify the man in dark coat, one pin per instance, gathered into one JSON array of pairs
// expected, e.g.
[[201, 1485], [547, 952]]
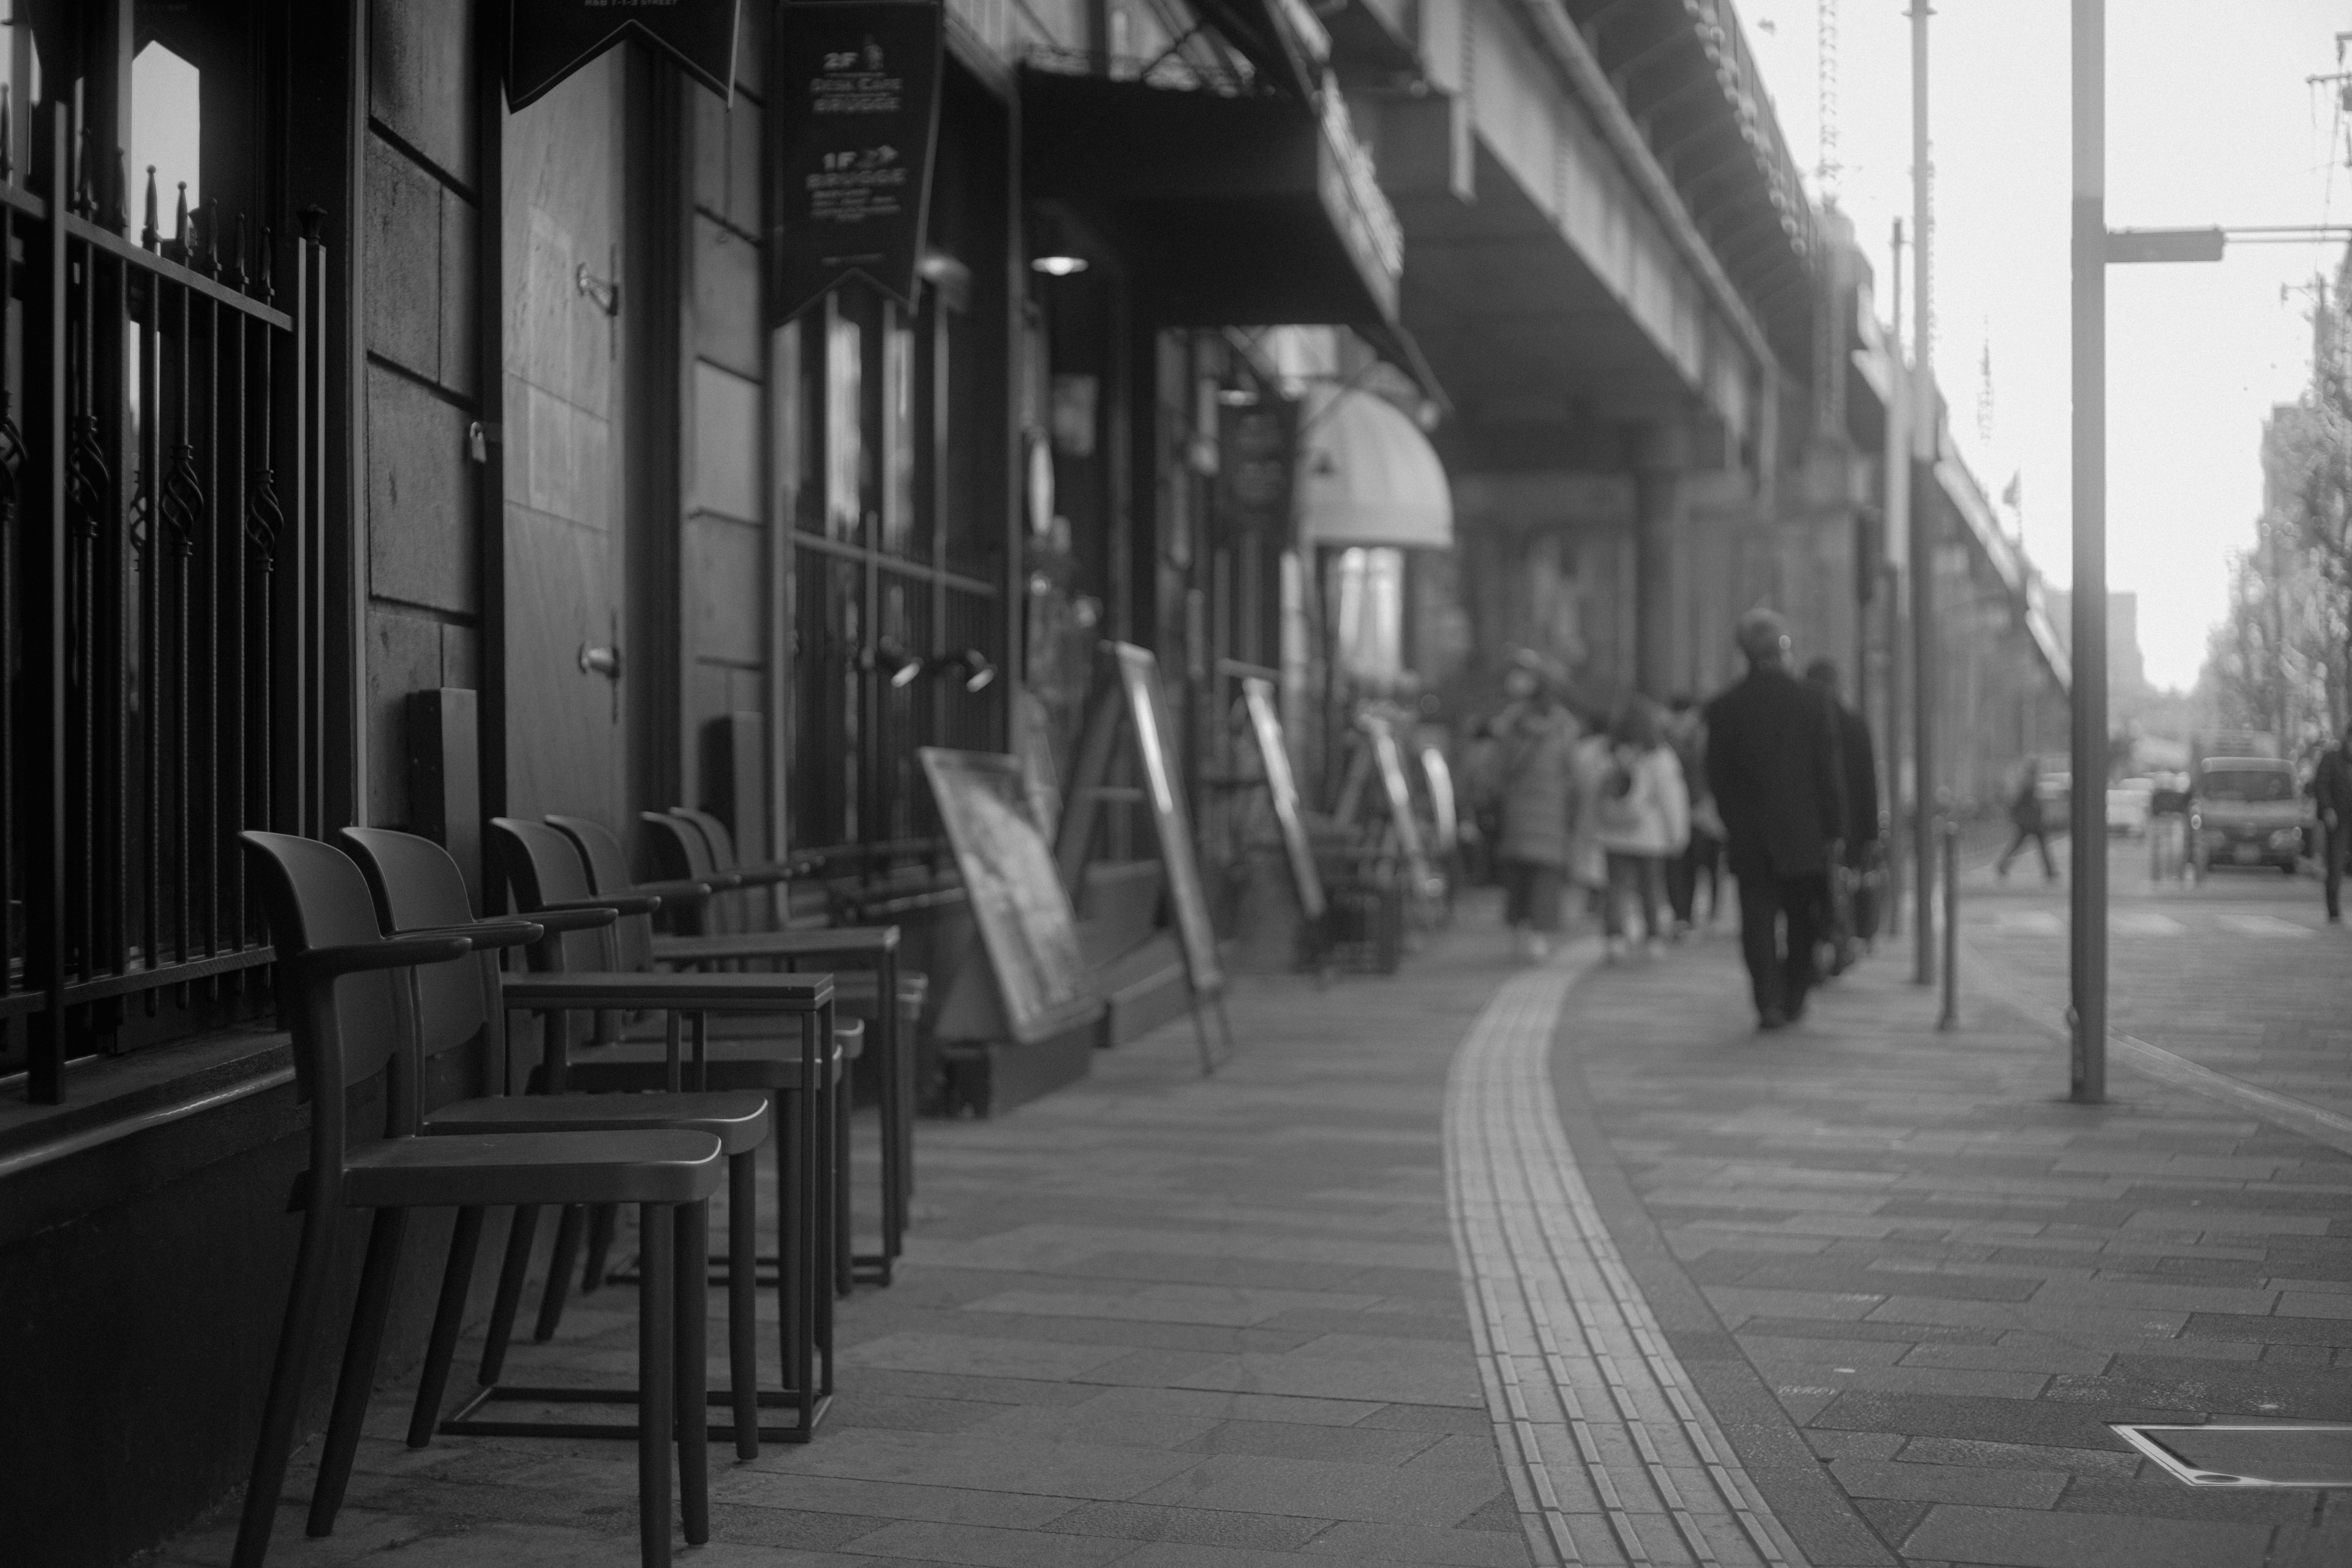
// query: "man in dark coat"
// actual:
[[1858, 773], [1773, 762], [2331, 792]]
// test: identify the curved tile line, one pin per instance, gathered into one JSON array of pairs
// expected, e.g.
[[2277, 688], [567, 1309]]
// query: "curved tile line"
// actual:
[[1529, 1238]]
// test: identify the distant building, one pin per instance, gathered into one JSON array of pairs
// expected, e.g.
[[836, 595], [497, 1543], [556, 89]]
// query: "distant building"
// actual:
[[2126, 669]]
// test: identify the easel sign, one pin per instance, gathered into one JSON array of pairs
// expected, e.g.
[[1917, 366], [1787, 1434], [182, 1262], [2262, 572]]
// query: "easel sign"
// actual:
[[1388, 758], [1266, 727], [1043, 986], [1132, 701]]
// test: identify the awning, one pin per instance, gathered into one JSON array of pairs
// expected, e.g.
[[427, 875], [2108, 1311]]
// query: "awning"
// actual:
[[1367, 476], [1226, 208]]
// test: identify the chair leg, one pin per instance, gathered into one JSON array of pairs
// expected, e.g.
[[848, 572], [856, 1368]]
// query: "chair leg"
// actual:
[[448, 1320], [792, 1274], [520, 1232], [361, 1352], [656, 1385], [601, 1224], [843, 1277], [743, 1301], [692, 1246], [288, 1373], [557, 1289]]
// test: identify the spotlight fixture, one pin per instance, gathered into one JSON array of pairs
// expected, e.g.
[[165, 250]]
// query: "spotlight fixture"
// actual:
[[891, 656], [1056, 256], [975, 669]]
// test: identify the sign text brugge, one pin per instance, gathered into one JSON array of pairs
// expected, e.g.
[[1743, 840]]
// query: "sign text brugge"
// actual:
[[855, 117]]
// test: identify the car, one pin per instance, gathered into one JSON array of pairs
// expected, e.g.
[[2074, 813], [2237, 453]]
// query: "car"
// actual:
[[2129, 802], [2246, 810]]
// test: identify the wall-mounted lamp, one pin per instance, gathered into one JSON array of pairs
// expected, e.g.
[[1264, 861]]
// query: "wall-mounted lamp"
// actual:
[[891, 657], [1056, 256], [1237, 396], [975, 668]]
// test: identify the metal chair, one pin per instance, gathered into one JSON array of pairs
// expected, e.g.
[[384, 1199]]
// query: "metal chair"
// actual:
[[350, 1022], [865, 961], [576, 973], [417, 887]]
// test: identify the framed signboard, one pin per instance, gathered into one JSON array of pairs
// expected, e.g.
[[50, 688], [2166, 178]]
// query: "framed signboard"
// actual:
[[1147, 711], [1266, 727], [1387, 757], [1026, 926]]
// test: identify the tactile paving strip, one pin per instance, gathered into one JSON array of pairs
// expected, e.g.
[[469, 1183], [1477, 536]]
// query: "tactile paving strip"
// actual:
[[1611, 1456]]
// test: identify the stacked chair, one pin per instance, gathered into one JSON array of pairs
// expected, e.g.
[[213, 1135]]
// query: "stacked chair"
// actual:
[[610, 972], [355, 1017], [695, 846]]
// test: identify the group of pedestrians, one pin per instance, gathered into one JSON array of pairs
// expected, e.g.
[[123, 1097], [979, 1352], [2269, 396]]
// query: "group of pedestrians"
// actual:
[[1773, 781]]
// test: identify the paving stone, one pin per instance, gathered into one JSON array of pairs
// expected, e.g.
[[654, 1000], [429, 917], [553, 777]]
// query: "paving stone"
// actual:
[[1351, 1445], [1316, 1489], [2017, 1538], [2093, 1462], [2158, 1495], [2270, 1328], [998, 1548], [2212, 1387], [1353, 1542], [1949, 1483], [980, 1464], [2037, 1422], [1191, 1526], [884, 1500]]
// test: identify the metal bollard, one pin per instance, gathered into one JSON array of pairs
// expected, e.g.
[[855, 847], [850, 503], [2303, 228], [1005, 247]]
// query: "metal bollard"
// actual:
[[1951, 1014]]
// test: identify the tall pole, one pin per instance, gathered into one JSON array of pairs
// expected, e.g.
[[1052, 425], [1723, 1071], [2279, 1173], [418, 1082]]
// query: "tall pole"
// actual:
[[1923, 478], [2088, 812], [1898, 555]]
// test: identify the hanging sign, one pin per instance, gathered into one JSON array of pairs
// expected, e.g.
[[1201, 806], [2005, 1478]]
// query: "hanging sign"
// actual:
[[546, 40], [854, 120]]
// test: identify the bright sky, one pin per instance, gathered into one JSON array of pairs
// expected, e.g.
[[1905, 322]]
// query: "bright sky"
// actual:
[[2209, 121]]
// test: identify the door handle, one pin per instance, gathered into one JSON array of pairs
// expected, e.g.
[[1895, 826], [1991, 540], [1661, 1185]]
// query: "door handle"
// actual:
[[602, 660]]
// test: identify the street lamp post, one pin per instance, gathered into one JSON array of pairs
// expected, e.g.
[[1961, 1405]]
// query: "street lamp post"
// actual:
[[2087, 811], [1921, 414]]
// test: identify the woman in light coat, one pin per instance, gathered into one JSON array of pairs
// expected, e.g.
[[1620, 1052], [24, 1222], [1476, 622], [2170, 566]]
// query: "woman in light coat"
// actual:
[[1642, 821]]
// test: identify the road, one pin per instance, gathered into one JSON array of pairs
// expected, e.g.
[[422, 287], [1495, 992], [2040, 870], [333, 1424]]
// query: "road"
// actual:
[[2242, 975]]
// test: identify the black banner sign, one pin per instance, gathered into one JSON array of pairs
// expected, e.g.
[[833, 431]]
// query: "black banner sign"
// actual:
[[854, 115], [546, 40]]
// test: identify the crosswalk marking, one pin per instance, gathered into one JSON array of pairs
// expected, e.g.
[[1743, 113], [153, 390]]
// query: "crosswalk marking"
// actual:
[[2139, 922], [2263, 925]]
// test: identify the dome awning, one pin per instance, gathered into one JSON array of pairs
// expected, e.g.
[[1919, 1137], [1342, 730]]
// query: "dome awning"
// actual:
[[1368, 477]]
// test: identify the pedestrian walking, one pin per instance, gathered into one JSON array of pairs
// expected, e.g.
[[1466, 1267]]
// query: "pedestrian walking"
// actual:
[[1702, 856], [2025, 816], [1642, 821], [2331, 793], [1771, 760], [1858, 777], [1534, 784]]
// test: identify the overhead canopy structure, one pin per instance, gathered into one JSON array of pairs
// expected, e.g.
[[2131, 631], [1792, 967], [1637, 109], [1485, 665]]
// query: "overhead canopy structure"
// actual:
[[1368, 477], [1232, 206]]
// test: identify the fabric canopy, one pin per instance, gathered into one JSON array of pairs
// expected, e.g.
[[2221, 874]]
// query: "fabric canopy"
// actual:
[[1368, 477]]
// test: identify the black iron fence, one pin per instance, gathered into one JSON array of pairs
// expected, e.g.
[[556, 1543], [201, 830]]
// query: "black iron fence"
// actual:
[[161, 585]]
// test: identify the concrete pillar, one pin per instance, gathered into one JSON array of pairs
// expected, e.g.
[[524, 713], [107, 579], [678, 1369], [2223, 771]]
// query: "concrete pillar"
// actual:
[[1661, 453]]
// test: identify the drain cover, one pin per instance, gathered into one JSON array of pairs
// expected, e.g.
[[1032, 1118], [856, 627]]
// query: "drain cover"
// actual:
[[2281, 1454]]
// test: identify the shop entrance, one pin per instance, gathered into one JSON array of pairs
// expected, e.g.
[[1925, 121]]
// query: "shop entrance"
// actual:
[[567, 456]]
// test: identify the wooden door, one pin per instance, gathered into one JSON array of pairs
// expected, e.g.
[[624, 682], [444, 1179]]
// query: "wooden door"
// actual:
[[566, 463]]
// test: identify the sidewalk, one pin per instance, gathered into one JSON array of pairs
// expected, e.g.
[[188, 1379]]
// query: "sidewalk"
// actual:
[[1857, 1293]]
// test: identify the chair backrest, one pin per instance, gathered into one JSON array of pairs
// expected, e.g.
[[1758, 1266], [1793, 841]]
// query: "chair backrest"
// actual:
[[545, 866], [314, 897], [714, 832], [598, 848], [681, 852], [417, 884]]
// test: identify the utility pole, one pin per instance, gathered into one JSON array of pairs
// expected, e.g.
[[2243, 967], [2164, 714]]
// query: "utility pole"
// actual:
[[2088, 812], [1897, 462], [1922, 514]]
